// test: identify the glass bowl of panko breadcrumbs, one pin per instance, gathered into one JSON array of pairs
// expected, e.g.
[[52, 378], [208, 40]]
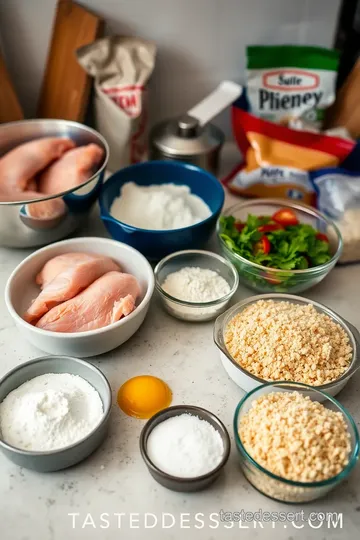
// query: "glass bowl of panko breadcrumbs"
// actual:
[[294, 448], [282, 337]]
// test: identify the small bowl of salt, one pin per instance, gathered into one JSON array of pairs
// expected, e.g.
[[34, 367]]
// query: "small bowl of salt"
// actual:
[[195, 285], [185, 447]]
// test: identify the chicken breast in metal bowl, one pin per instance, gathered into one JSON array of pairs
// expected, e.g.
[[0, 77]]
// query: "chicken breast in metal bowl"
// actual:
[[33, 219]]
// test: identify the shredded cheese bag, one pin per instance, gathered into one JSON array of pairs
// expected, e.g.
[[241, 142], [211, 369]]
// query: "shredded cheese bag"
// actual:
[[338, 192], [277, 160], [291, 85]]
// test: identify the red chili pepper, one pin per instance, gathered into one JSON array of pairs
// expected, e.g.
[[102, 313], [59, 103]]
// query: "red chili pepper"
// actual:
[[285, 216], [322, 237], [263, 245], [239, 226], [270, 227]]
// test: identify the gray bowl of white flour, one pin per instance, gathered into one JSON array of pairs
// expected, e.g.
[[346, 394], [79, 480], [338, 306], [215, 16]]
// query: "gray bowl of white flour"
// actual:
[[54, 412]]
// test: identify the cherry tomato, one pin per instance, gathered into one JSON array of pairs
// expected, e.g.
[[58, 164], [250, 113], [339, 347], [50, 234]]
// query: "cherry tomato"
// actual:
[[285, 216], [270, 227], [263, 245], [322, 237], [239, 226], [271, 279]]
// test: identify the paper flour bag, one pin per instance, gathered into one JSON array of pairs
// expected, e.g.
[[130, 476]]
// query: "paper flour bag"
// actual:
[[121, 67]]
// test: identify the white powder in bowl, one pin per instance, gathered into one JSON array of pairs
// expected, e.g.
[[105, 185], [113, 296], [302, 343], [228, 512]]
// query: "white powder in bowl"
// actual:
[[185, 446], [193, 284], [159, 207], [197, 285], [50, 412]]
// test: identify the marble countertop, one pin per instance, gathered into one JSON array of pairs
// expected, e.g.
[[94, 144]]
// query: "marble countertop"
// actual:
[[111, 495]]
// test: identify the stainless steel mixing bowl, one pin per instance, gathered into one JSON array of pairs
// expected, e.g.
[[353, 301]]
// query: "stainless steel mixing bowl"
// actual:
[[17, 228], [55, 460]]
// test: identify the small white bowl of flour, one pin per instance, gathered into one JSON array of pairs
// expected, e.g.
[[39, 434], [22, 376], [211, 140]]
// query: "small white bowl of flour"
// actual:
[[195, 285], [54, 412]]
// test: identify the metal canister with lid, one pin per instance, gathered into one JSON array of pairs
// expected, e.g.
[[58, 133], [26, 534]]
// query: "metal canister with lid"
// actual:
[[183, 139], [191, 137]]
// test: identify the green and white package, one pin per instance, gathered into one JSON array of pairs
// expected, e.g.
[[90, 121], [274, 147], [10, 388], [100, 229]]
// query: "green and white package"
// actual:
[[289, 83]]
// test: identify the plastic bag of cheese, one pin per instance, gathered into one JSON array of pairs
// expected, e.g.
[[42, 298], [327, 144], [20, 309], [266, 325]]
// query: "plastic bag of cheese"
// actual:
[[277, 160], [338, 196], [291, 85]]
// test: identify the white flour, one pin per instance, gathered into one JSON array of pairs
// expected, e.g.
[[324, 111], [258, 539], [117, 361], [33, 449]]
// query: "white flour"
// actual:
[[194, 284], [158, 207], [185, 446], [50, 412]]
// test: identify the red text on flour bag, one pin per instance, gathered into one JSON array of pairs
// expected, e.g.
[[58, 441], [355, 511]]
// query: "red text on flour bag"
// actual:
[[132, 99], [128, 98]]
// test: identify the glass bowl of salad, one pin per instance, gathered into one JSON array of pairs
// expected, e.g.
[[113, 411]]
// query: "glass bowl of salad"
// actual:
[[278, 245]]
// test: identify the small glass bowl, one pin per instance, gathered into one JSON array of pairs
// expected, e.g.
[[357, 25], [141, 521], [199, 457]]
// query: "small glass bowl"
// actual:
[[195, 311], [265, 279], [282, 489]]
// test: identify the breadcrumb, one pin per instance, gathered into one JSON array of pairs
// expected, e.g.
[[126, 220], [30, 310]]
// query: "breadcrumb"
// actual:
[[290, 342], [296, 438]]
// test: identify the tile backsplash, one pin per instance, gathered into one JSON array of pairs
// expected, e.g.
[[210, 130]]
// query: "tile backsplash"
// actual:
[[200, 42]]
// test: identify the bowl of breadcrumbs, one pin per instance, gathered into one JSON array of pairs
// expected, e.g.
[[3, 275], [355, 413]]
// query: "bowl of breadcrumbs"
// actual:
[[293, 448], [281, 337]]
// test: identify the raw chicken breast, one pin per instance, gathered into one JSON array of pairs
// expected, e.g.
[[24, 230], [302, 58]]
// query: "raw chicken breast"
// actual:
[[43, 210], [104, 302], [19, 166], [32, 186], [46, 210], [72, 170], [58, 264], [18, 196], [68, 284]]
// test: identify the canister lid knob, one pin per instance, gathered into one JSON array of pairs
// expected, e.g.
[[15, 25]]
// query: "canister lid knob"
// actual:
[[187, 126]]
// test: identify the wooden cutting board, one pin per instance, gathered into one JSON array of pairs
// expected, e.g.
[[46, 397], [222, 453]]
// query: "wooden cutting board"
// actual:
[[346, 110], [10, 109], [66, 86]]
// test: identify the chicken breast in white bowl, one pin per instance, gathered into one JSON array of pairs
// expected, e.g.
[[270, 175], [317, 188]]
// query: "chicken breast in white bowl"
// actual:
[[75, 321]]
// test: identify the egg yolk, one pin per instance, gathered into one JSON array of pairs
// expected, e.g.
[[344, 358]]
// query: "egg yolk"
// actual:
[[143, 396]]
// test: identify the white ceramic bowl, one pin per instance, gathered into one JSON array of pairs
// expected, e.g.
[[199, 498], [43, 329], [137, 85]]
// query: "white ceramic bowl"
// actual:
[[246, 380], [21, 289]]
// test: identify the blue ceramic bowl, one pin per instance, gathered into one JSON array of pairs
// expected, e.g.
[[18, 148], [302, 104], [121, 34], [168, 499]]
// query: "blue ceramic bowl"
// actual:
[[155, 244]]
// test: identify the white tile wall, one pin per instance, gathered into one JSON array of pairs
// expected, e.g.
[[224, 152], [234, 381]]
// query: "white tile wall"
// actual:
[[200, 42]]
